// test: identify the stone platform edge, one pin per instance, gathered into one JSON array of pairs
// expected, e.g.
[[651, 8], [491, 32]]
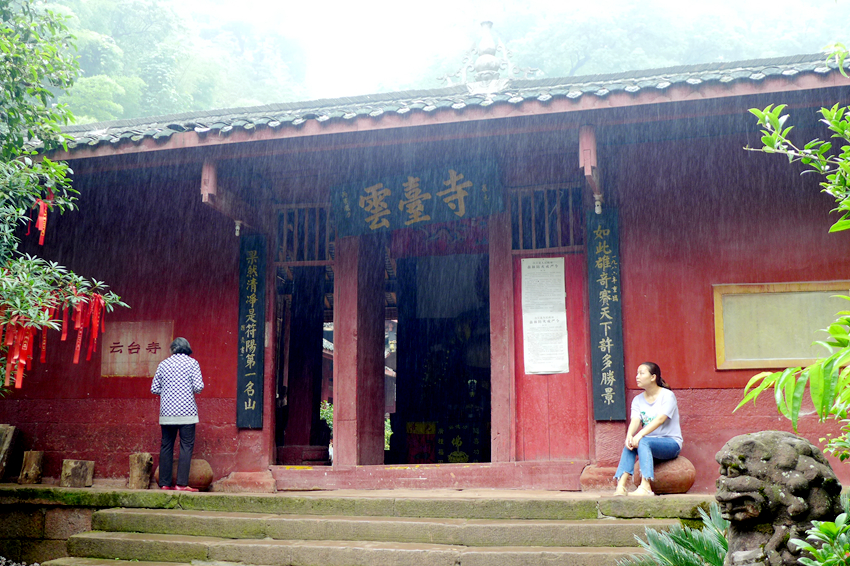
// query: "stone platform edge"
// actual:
[[37, 520]]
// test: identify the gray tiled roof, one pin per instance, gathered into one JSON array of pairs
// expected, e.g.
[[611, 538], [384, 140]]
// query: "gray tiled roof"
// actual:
[[512, 92]]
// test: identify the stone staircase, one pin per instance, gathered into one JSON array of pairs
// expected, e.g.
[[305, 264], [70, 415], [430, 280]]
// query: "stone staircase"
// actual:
[[329, 529]]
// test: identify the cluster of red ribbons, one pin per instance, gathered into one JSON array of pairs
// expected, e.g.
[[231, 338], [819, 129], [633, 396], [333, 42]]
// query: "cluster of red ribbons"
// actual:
[[19, 338]]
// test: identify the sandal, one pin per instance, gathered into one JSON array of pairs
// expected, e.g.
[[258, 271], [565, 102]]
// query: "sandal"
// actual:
[[642, 492], [620, 491]]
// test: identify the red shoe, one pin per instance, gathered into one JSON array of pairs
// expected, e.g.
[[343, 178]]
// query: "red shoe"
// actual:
[[165, 487], [184, 488]]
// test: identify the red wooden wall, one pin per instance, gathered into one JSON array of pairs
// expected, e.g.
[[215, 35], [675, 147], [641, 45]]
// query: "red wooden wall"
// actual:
[[701, 212], [171, 258]]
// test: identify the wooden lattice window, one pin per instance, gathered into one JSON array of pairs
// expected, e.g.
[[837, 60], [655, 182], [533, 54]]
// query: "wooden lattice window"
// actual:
[[547, 218], [306, 235]]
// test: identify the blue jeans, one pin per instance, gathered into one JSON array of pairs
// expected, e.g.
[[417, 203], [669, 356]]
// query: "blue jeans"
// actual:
[[649, 448]]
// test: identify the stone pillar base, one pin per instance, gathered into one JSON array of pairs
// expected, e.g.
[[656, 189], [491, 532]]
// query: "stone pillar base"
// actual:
[[303, 456], [597, 478], [246, 482]]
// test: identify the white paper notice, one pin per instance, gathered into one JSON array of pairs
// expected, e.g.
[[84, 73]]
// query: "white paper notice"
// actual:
[[544, 316]]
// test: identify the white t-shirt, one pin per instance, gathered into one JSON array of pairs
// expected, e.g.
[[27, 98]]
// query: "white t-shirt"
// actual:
[[664, 404]]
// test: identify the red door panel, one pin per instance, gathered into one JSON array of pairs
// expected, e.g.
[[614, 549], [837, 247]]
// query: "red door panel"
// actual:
[[552, 410]]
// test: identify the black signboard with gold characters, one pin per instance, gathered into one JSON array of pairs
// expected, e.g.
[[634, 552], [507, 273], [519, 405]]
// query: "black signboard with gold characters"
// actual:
[[252, 324], [606, 318], [421, 196]]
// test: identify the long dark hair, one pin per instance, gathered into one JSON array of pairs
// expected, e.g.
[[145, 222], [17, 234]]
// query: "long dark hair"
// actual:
[[656, 371]]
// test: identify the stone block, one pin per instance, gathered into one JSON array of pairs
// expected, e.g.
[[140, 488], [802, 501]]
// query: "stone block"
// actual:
[[598, 478], [671, 476], [10, 549], [141, 465], [40, 551], [62, 524], [19, 524], [7, 439], [679, 507], [246, 482], [200, 474], [31, 468], [77, 473]]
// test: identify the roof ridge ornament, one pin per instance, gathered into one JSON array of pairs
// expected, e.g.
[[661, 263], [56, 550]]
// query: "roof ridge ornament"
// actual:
[[490, 58]]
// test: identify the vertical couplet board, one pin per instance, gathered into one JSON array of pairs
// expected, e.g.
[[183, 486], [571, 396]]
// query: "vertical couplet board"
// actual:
[[252, 324], [606, 316]]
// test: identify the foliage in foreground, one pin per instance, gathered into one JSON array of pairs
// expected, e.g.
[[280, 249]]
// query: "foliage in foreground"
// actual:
[[34, 293], [685, 546], [828, 542], [828, 379]]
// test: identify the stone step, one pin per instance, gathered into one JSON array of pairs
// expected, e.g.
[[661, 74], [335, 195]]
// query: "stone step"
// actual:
[[143, 548], [465, 532], [465, 504], [472, 504]]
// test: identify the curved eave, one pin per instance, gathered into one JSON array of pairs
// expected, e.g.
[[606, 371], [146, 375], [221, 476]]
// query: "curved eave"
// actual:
[[539, 101]]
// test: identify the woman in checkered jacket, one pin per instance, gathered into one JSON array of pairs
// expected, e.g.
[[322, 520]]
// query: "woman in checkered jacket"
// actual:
[[177, 380]]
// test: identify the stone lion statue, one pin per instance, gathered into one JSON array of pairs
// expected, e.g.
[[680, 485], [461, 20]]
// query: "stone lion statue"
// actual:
[[772, 485]]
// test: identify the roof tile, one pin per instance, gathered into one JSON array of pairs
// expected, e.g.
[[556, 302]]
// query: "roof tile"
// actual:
[[458, 97]]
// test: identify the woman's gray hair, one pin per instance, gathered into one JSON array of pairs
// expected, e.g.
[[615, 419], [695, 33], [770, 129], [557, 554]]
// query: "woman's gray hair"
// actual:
[[181, 346]]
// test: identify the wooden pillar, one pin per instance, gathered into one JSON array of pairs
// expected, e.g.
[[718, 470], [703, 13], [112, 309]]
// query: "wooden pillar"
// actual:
[[502, 396], [305, 354], [359, 351]]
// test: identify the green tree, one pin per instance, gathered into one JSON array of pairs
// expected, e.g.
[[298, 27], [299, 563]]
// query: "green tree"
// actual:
[[34, 63], [828, 379], [96, 98]]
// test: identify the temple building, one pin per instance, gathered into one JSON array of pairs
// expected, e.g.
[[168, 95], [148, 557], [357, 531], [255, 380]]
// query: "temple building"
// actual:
[[478, 268]]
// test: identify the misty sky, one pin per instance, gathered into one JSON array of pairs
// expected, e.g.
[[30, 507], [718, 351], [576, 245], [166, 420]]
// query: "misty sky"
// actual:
[[370, 46]]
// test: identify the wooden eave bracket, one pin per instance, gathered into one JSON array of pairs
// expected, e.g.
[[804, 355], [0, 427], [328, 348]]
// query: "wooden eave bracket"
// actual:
[[225, 202], [588, 163]]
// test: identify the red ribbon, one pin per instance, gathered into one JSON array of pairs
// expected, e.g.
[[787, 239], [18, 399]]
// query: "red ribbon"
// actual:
[[26, 354], [43, 357], [64, 322], [13, 356], [78, 316], [78, 346], [11, 334], [41, 223], [2, 324], [97, 303]]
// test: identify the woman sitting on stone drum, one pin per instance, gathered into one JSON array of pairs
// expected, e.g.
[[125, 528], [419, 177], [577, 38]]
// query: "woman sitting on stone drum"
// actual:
[[654, 432]]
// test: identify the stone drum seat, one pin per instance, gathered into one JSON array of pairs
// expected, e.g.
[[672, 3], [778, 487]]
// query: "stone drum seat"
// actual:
[[671, 476]]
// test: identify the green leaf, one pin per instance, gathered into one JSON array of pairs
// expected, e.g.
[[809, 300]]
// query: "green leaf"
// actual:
[[817, 389]]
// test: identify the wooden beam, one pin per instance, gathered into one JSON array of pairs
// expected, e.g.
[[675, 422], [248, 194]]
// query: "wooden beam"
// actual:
[[588, 163], [227, 203], [209, 180]]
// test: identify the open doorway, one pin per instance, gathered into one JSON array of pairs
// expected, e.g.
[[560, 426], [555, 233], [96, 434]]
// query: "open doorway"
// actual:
[[443, 361]]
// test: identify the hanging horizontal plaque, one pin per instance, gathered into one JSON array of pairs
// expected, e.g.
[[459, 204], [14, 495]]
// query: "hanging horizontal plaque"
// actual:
[[134, 349], [423, 196]]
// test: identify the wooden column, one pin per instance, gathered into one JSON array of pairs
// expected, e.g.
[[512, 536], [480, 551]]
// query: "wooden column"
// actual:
[[502, 396], [359, 351]]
